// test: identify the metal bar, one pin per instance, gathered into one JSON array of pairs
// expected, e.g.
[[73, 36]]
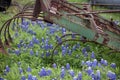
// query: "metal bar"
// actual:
[[95, 12], [77, 3]]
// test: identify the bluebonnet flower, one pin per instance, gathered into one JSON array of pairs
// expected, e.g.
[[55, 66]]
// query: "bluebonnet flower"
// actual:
[[20, 70], [23, 77], [63, 30], [94, 63], [105, 63], [89, 71], [83, 50], [31, 52], [93, 76], [82, 63], [62, 73], [113, 65], [51, 46], [46, 46], [49, 72], [28, 69], [43, 72], [1, 78], [102, 61], [49, 24], [43, 40], [93, 55], [99, 65], [19, 45], [33, 23], [63, 52], [98, 75], [34, 78], [58, 39], [17, 52], [30, 76], [52, 31], [54, 65], [79, 76], [69, 52], [47, 54], [35, 40], [86, 54], [111, 75], [7, 68], [74, 48], [42, 25], [71, 72], [89, 63], [67, 66], [75, 78], [30, 44], [47, 40]]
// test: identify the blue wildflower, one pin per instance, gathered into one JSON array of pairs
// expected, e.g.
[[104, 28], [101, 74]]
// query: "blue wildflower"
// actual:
[[1, 78], [49, 24], [17, 52], [94, 63], [67, 66], [75, 78], [31, 44], [43, 72], [49, 72], [7, 68], [62, 73], [83, 50], [89, 63], [28, 69], [71, 72], [111, 75], [93, 55], [102, 61], [30, 76], [113, 65], [69, 52], [31, 52], [82, 63], [23, 77], [47, 54], [89, 71], [79, 76], [98, 75], [54, 65], [34, 78], [20, 70], [105, 63], [63, 52]]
